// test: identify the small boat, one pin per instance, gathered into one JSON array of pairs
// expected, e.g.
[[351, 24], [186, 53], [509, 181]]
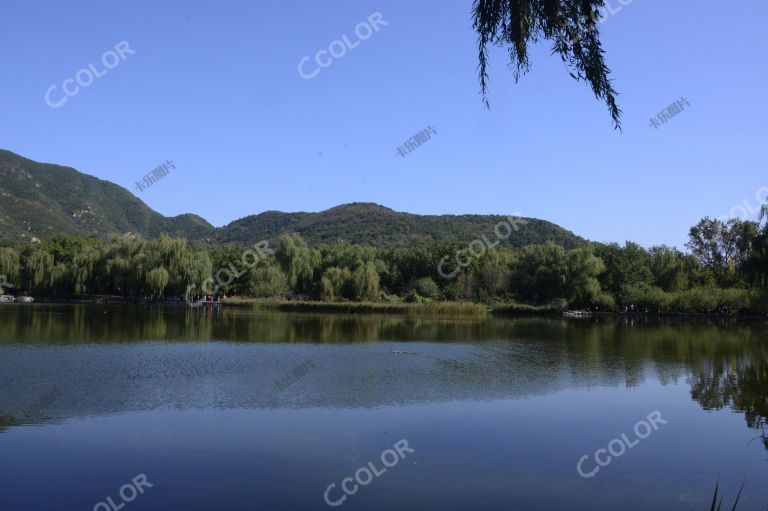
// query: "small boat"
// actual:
[[577, 314], [6, 299], [24, 299]]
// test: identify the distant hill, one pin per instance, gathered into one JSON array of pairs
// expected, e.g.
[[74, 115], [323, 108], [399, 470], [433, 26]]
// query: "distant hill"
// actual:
[[39, 200], [372, 224]]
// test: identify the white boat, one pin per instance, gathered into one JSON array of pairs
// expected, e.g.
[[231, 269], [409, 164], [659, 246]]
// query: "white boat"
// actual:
[[577, 314], [6, 298], [24, 299]]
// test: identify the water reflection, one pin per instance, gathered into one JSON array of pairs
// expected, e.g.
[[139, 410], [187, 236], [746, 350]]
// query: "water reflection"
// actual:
[[740, 384], [60, 362]]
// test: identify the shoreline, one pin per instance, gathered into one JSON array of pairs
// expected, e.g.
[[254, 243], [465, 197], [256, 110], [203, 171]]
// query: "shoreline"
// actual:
[[426, 309]]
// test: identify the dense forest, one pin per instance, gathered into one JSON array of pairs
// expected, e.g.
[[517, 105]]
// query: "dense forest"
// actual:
[[725, 270]]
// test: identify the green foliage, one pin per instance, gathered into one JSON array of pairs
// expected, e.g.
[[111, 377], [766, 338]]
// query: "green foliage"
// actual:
[[626, 267], [723, 247], [267, 280], [157, 281], [39, 199], [582, 285], [672, 270], [428, 288], [514, 308], [378, 226], [366, 282], [541, 274], [298, 261], [572, 27], [335, 284], [647, 298], [39, 270], [9, 264], [537, 278], [450, 309]]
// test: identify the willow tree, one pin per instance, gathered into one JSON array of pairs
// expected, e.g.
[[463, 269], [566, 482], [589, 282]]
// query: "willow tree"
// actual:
[[334, 284], [83, 265], [9, 265], [298, 261], [39, 270], [366, 282], [124, 263], [571, 26], [157, 281]]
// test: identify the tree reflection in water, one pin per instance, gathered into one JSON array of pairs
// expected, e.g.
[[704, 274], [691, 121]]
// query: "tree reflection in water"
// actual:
[[726, 363], [741, 385]]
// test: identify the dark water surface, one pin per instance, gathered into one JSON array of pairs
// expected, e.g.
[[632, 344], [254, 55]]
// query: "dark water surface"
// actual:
[[237, 410]]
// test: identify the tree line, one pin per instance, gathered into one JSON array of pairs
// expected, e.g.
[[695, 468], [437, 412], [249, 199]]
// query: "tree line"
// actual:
[[726, 270]]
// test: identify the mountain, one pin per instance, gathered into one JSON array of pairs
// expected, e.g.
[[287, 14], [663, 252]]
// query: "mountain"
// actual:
[[38, 200], [372, 224]]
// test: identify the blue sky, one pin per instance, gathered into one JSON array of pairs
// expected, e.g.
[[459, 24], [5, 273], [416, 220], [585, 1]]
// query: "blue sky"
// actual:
[[214, 87]]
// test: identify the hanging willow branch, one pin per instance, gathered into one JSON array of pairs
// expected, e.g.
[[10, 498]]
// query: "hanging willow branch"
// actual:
[[572, 26]]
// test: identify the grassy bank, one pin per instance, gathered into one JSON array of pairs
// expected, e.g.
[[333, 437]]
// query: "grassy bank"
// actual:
[[440, 308], [713, 302], [449, 309], [524, 309]]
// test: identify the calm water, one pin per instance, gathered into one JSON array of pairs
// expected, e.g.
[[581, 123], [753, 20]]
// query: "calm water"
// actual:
[[245, 411]]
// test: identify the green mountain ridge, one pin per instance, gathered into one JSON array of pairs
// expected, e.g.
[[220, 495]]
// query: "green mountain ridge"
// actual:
[[38, 200]]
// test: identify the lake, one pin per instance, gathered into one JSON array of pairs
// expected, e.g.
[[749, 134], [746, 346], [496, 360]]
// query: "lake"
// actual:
[[155, 408]]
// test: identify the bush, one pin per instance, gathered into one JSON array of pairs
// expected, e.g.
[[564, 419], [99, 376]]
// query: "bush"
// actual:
[[732, 300], [699, 300], [427, 288], [267, 281], [414, 297], [645, 297], [758, 302], [605, 302]]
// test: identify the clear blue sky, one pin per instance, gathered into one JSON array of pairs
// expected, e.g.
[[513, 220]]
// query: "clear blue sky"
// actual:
[[214, 86]]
